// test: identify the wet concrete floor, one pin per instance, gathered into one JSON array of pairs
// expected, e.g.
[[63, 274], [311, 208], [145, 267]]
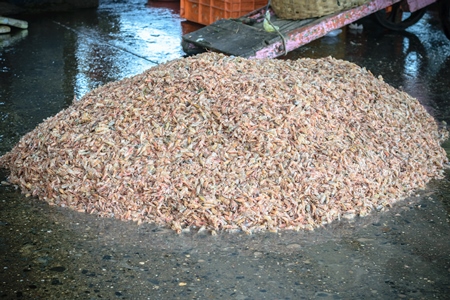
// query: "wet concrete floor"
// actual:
[[54, 253]]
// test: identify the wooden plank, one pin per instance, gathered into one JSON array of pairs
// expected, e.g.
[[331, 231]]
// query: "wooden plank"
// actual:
[[233, 37], [229, 37]]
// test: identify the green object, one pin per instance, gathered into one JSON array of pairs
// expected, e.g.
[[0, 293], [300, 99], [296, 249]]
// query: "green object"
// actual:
[[268, 26], [13, 22], [4, 29]]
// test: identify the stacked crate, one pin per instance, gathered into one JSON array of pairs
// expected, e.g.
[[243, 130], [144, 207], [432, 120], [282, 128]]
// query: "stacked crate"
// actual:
[[206, 12]]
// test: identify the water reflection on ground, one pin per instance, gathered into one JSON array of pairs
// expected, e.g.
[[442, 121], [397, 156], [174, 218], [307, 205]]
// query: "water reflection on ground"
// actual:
[[54, 253]]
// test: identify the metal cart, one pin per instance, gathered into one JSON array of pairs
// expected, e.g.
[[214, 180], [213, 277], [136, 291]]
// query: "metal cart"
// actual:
[[246, 36]]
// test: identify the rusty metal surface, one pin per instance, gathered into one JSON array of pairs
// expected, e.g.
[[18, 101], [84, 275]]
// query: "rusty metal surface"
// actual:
[[292, 34], [414, 5], [320, 27]]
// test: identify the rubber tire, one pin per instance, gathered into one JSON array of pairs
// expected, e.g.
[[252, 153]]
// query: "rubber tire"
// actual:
[[412, 19], [444, 14]]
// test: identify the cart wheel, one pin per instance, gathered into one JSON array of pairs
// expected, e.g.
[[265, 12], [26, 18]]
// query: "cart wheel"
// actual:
[[393, 17], [444, 14]]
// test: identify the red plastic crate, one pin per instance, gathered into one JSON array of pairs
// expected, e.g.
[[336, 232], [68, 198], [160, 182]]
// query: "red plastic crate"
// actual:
[[208, 11]]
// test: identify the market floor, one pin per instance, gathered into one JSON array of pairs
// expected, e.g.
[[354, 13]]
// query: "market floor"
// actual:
[[55, 253]]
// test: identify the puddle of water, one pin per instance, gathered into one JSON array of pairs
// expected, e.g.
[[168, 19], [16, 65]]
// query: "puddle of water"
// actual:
[[54, 253]]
